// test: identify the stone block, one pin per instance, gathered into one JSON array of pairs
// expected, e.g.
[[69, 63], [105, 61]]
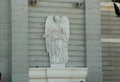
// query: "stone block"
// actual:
[[57, 74]]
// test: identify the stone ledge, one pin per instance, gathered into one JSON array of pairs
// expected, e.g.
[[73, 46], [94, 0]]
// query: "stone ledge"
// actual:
[[57, 74]]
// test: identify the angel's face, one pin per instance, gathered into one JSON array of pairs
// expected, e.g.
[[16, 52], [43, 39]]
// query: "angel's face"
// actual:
[[56, 19]]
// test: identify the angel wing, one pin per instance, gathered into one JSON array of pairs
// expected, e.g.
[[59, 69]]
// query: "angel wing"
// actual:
[[65, 26], [48, 25]]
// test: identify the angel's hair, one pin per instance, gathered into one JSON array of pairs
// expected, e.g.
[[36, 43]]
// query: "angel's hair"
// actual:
[[56, 18]]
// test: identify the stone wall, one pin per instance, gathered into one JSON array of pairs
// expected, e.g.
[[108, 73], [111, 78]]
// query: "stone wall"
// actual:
[[37, 16], [110, 46]]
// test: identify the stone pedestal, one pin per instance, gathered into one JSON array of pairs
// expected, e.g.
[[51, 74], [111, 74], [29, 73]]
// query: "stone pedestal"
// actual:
[[57, 74]]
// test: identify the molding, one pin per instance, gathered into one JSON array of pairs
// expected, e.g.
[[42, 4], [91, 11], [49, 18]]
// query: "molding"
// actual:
[[110, 40]]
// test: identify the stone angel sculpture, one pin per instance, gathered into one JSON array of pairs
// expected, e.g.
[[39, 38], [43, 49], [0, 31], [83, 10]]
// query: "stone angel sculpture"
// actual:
[[57, 37]]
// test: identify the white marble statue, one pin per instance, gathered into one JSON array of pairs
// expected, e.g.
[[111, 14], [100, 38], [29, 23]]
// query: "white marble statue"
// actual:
[[57, 36]]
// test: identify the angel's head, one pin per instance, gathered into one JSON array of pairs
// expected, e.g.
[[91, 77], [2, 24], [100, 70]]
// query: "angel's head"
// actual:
[[56, 19]]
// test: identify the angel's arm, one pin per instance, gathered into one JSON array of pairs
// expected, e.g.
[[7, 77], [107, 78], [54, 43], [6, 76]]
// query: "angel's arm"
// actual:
[[50, 30]]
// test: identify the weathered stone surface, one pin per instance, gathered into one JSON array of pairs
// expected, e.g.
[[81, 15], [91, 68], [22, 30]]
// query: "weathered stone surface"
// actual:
[[57, 74]]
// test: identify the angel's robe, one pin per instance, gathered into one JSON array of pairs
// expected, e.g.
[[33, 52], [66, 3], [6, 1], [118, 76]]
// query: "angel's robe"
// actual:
[[58, 46]]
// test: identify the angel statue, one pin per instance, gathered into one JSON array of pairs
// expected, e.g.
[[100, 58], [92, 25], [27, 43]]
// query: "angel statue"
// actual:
[[57, 36]]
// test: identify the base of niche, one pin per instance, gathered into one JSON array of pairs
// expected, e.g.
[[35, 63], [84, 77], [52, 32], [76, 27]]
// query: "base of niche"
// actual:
[[57, 74]]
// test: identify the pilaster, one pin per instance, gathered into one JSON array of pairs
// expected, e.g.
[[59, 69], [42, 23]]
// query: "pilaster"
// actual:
[[93, 40], [19, 26]]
